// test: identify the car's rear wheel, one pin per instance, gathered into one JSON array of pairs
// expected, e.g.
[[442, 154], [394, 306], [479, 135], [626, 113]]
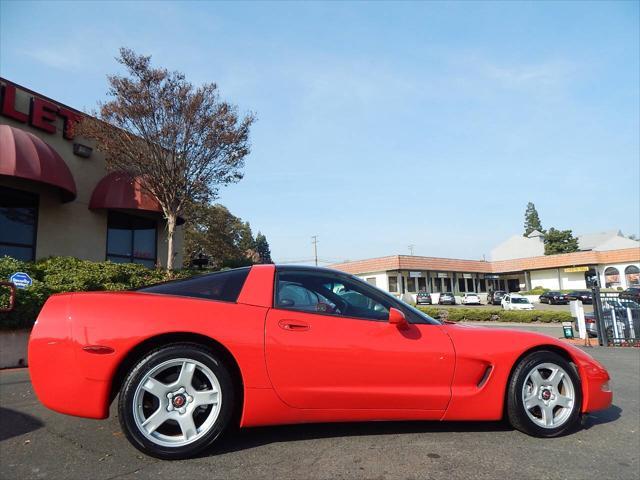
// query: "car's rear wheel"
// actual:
[[544, 395], [176, 401]]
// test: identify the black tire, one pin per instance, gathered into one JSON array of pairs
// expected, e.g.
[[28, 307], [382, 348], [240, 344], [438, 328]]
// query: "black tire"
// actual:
[[516, 413], [191, 351]]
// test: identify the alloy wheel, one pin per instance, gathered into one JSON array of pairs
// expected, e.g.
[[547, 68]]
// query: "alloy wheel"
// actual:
[[177, 402], [548, 395]]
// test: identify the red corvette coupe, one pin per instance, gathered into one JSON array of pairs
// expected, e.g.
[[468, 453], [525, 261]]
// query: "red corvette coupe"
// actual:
[[272, 345]]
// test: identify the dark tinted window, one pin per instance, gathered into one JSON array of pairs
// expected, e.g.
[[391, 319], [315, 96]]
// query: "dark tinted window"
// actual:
[[18, 220], [131, 239], [223, 286]]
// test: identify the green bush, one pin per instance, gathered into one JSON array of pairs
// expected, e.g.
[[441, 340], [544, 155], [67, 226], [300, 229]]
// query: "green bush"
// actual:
[[67, 274], [535, 291], [496, 315]]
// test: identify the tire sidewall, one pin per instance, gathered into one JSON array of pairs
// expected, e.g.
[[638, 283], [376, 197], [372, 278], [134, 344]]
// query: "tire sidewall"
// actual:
[[125, 403], [516, 404]]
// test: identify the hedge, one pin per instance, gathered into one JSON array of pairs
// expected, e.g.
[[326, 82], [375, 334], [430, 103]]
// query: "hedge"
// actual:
[[67, 274], [496, 315]]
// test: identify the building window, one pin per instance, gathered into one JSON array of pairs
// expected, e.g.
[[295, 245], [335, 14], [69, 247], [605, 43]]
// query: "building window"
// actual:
[[632, 274], [461, 284], [482, 285], [18, 224], [469, 284], [611, 277], [437, 285], [422, 284], [131, 239], [447, 285], [372, 281], [411, 284], [393, 284]]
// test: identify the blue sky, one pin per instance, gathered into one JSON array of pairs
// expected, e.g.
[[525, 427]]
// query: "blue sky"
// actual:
[[383, 124]]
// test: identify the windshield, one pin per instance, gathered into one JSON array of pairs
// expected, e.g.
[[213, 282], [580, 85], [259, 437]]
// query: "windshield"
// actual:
[[519, 300]]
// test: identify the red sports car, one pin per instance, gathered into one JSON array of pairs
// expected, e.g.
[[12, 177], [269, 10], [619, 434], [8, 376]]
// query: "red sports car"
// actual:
[[272, 345]]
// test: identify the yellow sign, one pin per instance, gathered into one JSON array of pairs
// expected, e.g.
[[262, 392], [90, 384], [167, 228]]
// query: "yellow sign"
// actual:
[[576, 269]]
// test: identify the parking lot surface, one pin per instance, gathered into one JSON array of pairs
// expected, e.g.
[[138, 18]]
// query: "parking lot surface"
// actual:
[[36, 443]]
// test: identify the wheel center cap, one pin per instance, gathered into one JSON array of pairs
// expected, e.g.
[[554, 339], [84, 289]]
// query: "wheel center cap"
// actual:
[[546, 394], [179, 401]]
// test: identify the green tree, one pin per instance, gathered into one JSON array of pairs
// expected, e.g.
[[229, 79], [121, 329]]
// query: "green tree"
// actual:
[[531, 220], [559, 241], [262, 248], [213, 231]]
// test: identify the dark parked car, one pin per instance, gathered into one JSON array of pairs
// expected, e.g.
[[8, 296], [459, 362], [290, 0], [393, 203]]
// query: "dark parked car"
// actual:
[[447, 298], [554, 298], [423, 298], [631, 293], [495, 298], [585, 296]]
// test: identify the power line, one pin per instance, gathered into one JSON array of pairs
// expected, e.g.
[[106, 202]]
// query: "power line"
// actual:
[[314, 240]]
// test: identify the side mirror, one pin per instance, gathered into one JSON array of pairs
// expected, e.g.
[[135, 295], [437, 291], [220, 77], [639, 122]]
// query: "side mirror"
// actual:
[[397, 318]]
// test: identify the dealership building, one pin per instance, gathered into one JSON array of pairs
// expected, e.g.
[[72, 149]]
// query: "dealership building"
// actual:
[[57, 197], [516, 265]]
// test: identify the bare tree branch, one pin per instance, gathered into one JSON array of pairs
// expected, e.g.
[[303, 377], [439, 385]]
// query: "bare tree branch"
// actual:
[[182, 142]]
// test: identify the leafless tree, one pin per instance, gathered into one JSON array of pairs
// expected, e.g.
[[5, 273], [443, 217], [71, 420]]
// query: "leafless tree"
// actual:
[[181, 142]]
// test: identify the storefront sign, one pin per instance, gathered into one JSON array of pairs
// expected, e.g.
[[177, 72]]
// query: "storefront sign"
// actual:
[[42, 113], [443, 275], [576, 269], [21, 280], [466, 275], [492, 277], [415, 274]]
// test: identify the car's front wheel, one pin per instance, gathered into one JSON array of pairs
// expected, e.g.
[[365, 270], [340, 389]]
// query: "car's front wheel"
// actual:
[[176, 401], [544, 395]]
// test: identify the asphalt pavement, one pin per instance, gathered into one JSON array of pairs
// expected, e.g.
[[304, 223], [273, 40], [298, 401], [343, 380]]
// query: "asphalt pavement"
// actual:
[[36, 443]]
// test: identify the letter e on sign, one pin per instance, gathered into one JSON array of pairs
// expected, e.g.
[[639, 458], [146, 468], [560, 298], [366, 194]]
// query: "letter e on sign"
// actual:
[[43, 114]]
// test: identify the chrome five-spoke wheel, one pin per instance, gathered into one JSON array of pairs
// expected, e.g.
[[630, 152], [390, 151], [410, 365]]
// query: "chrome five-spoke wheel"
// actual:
[[544, 395], [177, 401], [548, 395]]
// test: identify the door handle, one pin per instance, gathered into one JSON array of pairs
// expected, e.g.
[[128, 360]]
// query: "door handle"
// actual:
[[293, 325]]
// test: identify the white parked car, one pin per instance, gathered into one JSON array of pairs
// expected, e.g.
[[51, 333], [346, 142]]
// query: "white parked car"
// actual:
[[516, 302], [471, 298]]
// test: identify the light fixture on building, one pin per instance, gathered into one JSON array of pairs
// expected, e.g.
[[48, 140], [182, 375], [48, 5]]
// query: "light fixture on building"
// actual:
[[82, 150]]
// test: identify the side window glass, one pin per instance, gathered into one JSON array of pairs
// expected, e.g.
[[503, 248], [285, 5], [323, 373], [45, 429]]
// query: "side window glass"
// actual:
[[224, 286], [310, 292]]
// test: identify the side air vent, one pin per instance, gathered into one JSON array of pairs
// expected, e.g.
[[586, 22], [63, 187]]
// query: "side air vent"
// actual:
[[485, 376]]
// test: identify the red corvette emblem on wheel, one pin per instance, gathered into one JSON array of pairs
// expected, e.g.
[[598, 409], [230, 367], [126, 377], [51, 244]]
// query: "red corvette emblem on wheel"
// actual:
[[269, 345]]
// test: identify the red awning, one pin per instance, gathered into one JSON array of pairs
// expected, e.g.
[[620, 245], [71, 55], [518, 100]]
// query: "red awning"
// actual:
[[23, 155], [118, 191]]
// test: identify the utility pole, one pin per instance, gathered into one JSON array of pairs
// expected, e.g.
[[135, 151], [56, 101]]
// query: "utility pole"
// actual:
[[411, 247], [314, 240]]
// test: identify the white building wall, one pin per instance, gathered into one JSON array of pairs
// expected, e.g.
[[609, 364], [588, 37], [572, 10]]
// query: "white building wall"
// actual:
[[381, 279], [573, 280], [620, 267], [545, 278]]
